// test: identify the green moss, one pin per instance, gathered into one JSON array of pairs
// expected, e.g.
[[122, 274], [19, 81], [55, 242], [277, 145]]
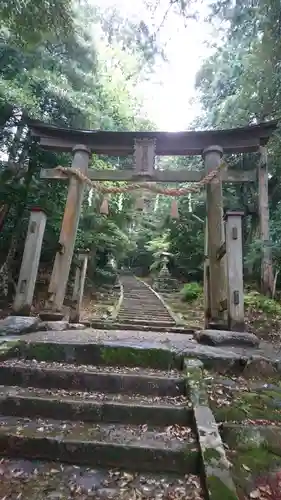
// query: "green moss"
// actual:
[[211, 454], [251, 463], [218, 490], [42, 351], [195, 385], [192, 459], [130, 356], [9, 349], [259, 405]]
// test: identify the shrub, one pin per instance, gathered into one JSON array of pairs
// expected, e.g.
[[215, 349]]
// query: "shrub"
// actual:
[[191, 291], [257, 301], [105, 276]]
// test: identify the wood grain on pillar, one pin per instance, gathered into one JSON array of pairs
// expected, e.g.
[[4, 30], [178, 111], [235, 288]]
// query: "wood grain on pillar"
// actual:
[[214, 204], [69, 227]]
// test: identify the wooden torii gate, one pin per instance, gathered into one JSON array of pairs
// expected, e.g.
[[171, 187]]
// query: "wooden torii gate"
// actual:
[[223, 277]]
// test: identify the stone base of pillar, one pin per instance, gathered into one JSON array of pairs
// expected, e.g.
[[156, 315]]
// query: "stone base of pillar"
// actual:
[[51, 316]]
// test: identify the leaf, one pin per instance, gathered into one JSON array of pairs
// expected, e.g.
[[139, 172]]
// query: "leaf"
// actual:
[[255, 494]]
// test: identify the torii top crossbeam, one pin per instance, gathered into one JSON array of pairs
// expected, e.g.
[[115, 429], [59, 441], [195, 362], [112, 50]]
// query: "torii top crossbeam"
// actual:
[[236, 140]]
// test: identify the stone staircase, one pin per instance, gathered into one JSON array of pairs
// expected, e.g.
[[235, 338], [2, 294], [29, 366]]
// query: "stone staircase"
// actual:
[[142, 306], [132, 417], [117, 412]]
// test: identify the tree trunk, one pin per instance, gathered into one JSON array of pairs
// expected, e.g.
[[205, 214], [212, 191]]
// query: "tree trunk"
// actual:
[[4, 210], [6, 269]]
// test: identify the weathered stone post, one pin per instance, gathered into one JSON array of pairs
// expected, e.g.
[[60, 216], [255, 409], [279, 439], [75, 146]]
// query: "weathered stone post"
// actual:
[[78, 289], [207, 300], [235, 295], [266, 259], [30, 262], [57, 287], [215, 237]]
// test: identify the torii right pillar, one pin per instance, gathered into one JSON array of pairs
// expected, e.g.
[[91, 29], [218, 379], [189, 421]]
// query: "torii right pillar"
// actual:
[[216, 276]]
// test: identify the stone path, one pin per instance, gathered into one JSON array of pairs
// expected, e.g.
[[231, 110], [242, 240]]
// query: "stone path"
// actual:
[[174, 344], [142, 306]]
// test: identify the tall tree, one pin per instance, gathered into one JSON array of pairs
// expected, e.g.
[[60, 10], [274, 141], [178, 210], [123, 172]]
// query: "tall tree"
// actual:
[[78, 80], [29, 22]]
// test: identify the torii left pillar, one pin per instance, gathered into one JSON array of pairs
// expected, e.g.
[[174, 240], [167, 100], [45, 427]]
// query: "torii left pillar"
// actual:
[[60, 274]]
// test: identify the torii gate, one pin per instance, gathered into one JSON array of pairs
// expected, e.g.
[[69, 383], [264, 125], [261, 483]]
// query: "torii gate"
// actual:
[[223, 280]]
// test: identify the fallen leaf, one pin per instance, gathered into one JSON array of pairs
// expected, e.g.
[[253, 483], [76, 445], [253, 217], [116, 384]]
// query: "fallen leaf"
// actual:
[[255, 494]]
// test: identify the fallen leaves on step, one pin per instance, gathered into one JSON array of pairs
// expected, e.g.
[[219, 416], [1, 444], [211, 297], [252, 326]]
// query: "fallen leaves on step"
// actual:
[[20, 479], [268, 487]]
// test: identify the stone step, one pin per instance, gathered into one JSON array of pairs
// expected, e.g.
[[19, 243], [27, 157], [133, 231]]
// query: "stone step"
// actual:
[[138, 306], [89, 347], [146, 318], [171, 449], [135, 297], [142, 297], [146, 322], [141, 313], [143, 310], [24, 479], [148, 309], [91, 378], [94, 406], [117, 325]]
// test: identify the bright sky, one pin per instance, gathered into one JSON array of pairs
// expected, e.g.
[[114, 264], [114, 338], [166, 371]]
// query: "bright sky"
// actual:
[[168, 96]]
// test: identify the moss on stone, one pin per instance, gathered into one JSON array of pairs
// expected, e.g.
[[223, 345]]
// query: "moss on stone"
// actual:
[[259, 405], [218, 490], [130, 356], [251, 463], [43, 351], [211, 454], [195, 385], [9, 349]]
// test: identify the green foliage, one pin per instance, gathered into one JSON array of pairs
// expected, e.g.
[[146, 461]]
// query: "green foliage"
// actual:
[[29, 21], [240, 84], [258, 302], [191, 292], [80, 80], [157, 246], [104, 276]]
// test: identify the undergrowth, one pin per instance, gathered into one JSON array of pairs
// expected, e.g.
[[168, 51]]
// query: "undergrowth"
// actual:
[[191, 292], [257, 302]]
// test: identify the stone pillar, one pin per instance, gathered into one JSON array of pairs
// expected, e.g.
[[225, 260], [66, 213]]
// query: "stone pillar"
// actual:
[[78, 289], [30, 262], [207, 300], [70, 222], [215, 237], [267, 278], [234, 255]]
